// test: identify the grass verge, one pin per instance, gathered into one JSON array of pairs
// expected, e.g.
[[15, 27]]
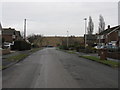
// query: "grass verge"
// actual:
[[70, 51], [22, 56], [106, 62], [17, 57], [35, 49]]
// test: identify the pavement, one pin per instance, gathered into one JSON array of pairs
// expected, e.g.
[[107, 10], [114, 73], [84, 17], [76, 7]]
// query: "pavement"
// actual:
[[95, 55], [51, 68], [6, 63]]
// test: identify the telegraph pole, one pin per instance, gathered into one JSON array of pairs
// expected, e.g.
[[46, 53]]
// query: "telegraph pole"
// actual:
[[24, 29], [85, 30]]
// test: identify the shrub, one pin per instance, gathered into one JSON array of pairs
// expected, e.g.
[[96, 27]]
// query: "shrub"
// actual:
[[35, 46], [63, 47], [90, 49], [21, 45]]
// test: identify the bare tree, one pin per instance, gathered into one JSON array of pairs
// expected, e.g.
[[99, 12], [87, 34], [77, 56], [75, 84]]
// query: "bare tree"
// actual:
[[101, 24], [22, 34], [90, 27], [36, 39]]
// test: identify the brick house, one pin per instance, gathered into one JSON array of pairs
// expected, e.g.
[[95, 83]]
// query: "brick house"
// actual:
[[109, 36], [10, 35]]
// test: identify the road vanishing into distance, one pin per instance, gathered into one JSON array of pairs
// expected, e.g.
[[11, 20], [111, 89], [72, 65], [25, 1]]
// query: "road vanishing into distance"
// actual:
[[51, 68]]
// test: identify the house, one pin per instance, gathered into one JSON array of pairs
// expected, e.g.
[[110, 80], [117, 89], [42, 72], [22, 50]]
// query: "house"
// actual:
[[110, 36], [10, 35]]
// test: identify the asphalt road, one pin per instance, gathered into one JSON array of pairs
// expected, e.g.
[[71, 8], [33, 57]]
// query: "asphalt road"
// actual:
[[50, 68]]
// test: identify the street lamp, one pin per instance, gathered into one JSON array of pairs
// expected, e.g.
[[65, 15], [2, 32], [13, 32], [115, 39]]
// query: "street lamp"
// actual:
[[85, 30], [25, 29]]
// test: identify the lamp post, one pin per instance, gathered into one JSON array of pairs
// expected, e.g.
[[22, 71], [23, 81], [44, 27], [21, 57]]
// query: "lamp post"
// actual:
[[85, 30], [24, 29]]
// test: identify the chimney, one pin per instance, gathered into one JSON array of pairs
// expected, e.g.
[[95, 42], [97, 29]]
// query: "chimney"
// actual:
[[108, 26]]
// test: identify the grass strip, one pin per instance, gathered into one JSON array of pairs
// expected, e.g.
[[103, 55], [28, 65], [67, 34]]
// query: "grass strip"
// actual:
[[22, 56], [106, 62], [35, 49], [0, 67], [71, 52], [17, 57]]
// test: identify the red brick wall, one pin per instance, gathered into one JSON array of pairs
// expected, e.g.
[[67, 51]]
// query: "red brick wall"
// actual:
[[112, 37], [7, 38], [114, 55]]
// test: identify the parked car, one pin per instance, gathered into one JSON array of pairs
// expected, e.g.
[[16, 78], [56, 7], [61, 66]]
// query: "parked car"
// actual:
[[7, 44], [100, 47]]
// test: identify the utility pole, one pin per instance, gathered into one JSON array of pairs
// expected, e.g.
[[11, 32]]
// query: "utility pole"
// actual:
[[24, 29], [85, 30]]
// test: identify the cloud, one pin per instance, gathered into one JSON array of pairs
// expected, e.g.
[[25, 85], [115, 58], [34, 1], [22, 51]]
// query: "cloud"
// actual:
[[54, 18]]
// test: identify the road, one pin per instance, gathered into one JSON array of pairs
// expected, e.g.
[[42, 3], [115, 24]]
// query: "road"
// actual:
[[51, 68]]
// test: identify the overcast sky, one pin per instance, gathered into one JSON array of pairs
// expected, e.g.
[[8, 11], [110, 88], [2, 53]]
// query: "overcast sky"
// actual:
[[55, 18]]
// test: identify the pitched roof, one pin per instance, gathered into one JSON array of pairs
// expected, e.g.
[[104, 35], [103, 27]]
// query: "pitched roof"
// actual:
[[10, 31], [109, 30]]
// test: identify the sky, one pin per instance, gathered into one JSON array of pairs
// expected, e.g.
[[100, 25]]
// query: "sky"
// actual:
[[119, 13], [56, 18]]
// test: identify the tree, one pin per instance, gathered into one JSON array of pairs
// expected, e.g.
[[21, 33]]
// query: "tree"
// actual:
[[36, 39], [90, 27], [101, 24]]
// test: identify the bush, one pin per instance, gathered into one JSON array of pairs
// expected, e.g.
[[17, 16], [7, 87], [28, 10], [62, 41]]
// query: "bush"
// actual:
[[64, 47], [90, 49], [21, 45], [94, 50], [35, 46], [77, 48]]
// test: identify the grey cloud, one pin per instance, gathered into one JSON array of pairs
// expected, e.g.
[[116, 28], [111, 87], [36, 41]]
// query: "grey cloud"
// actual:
[[51, 18]]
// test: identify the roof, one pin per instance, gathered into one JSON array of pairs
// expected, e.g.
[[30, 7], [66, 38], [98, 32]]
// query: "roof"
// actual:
[[10, 31], [110, 29]]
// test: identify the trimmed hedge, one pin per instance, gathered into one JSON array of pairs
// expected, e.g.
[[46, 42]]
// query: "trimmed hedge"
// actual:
[[64, 47], [21, 45]]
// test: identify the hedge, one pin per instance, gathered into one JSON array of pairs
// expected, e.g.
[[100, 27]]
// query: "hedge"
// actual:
[[21, 45]]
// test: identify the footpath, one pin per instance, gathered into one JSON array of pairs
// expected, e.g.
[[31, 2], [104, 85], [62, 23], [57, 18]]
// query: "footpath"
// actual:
[[96, 55], [15, 57], [115, 63]]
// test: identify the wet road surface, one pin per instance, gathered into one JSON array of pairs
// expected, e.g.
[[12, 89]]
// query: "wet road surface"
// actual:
[[50, 68]]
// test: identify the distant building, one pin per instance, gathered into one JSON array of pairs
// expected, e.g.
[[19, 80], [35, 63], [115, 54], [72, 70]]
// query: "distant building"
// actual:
[[110, 36], [10, 35]]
